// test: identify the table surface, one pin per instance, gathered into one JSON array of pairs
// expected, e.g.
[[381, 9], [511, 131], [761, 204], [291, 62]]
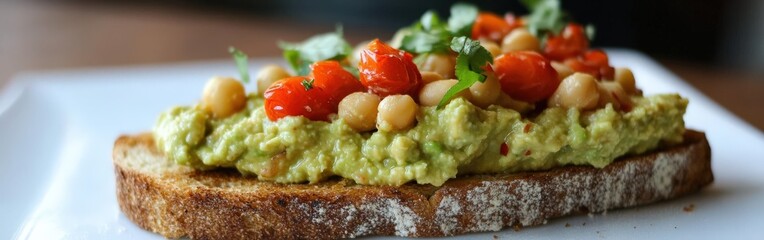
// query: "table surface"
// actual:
[[48, 35]]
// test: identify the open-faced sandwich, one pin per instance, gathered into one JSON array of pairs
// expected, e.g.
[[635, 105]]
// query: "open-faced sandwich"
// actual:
[[474, 123]]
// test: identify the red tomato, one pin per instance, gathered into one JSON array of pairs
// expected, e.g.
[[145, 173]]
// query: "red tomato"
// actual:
[[289, 97], [572, 42], [335, 81], [490, 26], [526, 75], [594, 62], [388, 71]]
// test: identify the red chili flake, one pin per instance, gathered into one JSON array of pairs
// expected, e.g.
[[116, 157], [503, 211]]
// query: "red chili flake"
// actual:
[[504, 150], [527, 127], [527, 152]]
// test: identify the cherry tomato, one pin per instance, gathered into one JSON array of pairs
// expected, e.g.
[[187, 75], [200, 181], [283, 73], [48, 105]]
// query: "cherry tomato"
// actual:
[[594, 62], [335, 81], [290, 97], [490, 26], [570, 43], [526, 75], [388, 71]]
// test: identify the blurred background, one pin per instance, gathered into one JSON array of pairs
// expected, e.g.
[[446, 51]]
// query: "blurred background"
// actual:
[[715, 45]]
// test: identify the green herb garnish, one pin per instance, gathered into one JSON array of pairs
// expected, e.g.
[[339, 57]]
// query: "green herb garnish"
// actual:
[[546, 17], [327, 46], [241, 62], [308, 84], [469, 66], [462, 18], [426, 36], [431, 35]]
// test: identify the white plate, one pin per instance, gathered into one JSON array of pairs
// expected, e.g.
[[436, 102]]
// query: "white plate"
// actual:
[[57, 129]]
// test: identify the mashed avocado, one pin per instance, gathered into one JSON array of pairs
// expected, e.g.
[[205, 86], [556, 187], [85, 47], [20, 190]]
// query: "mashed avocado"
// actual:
[[459, 139]]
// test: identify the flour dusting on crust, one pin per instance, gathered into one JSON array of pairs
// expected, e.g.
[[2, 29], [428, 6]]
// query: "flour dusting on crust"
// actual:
[[387, 211]]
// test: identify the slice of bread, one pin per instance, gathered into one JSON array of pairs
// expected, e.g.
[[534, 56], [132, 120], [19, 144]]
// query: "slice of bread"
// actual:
[[177, 201]]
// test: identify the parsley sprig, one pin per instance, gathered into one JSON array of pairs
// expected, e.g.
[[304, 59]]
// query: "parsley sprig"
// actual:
[[431, 35], [327, 46], [546, 17], [241, 63], [469, 66], [307, 84]]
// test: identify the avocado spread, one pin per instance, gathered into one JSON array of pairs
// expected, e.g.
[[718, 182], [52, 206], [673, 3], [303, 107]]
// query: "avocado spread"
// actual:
[[458, 139]]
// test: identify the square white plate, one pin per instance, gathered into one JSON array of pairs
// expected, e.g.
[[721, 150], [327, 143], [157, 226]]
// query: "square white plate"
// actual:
[[57, 129]]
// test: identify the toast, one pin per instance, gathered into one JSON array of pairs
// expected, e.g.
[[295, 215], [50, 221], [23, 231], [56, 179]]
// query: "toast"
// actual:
[[177, 201]]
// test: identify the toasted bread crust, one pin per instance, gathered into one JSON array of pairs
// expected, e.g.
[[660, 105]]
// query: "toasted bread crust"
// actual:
[[177, 201]]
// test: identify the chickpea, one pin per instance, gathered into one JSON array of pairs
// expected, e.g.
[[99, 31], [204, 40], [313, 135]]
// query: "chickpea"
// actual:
[[268, 75], [576, 91], [486, 93], [359, 110], [506, 101], [491, 46], [428, 77], [396, 112], [625, 77], [433, 92], [519, 40], [442, 64], [223, 96], [563, 70], [612, 92]]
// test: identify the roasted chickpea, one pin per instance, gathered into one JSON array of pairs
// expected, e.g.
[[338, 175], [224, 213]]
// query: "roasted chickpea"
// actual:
[[576, 91], [563, 70], [486, 93], [442, 64], [396, 113], [519, 40], [428, 77], [359, 110], [432, 93], [223, 96], [268, 75], [491, 46], [612, 92], [625, 77], [506, 101]]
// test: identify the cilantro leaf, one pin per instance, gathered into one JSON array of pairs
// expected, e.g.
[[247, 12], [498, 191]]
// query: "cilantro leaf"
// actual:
[[327, 46], [430, 20], [591, 31], [426, 42], [241, 62], [462, 18], [431, 35], [469, 66], [426, 36], [307, 84], [546, 16]]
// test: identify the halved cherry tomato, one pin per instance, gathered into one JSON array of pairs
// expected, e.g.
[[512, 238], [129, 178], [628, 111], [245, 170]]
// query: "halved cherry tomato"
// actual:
[[526, 75], [388, 71], [335, 81], [594, 62], [570, 43], [290, 97], [490, 26]]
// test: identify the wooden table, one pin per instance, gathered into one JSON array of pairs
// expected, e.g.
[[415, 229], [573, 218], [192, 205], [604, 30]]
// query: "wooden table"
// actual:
[[49, 35]]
